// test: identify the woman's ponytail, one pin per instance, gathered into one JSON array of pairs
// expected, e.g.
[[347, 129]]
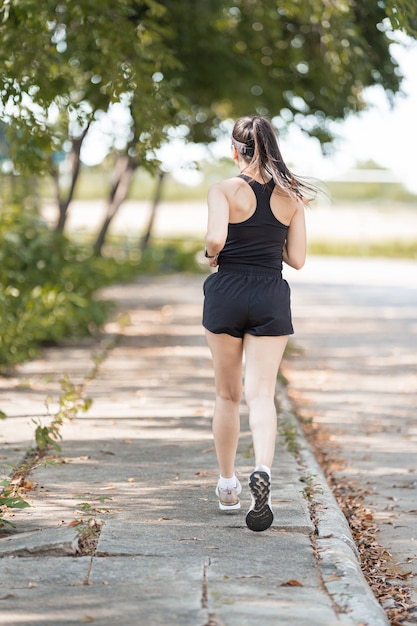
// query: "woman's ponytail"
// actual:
[[256, 141]]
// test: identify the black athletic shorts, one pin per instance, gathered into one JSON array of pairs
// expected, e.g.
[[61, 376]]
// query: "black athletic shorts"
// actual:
[[248, 300]]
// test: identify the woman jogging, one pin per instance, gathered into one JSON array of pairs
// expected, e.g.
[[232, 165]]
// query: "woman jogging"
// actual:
[[255, 222]]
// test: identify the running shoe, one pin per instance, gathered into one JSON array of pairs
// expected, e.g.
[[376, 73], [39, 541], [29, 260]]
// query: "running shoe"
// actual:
[[260, 516], [229, 497]]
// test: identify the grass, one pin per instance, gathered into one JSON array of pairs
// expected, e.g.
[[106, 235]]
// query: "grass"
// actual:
[[386, 249]]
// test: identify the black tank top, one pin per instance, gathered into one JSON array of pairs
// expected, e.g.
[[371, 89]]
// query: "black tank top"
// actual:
[[259, 240]]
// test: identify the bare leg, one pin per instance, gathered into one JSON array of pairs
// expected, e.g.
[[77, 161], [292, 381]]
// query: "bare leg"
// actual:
[[263, 358], [227, 361]]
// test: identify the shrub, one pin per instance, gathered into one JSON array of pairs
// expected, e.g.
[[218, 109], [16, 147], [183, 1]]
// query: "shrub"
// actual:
[[46, 287]]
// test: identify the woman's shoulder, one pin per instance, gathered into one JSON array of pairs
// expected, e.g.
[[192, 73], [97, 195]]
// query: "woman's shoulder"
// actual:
[[228, 186], [228, 183]]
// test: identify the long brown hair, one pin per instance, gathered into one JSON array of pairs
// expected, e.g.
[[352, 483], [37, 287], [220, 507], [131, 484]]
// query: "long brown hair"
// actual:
[[256, 141]]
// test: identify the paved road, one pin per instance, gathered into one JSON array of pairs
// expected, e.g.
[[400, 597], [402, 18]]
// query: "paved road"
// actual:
[[356, 323], [142, 462]]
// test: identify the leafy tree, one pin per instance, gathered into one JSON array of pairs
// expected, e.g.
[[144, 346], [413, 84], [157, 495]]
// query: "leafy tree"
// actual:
[[303, 61], [307, 61], [65, 63], [180, 63]]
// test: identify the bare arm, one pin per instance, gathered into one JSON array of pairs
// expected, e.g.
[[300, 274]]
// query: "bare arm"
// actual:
[[294, 253], [217, 224]]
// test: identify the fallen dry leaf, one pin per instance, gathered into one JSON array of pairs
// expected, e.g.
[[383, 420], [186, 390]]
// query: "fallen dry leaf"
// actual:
[[28, 485], [383, 575], [331, 578], [292, 583]]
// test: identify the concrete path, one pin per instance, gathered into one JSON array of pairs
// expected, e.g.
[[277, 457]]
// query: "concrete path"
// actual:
[[356, 377], [140, 465]]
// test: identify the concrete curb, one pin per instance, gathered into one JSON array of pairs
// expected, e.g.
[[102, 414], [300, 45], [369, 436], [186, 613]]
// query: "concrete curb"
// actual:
[[338, 558]]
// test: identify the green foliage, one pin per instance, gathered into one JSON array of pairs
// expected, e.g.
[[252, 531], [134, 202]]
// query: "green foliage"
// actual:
[[287, 429], [181, 63], [64, 64], [46, 287], [177, 64], [168, 256], [48, 283], [402, 14], [9, 500], [72, 401], [304, 62]]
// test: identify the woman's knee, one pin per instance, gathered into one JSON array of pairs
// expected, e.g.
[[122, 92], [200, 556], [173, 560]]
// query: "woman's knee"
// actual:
[[257, 394], [232, 395]]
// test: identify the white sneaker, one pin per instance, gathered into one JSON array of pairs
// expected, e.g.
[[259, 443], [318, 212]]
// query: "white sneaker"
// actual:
[[229, 497]]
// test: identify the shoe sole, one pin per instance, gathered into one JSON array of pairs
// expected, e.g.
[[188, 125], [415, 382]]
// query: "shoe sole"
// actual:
[[259, 516], [229, 507]]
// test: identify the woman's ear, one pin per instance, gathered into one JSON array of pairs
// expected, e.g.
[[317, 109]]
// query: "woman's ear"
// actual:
[[235, 153]]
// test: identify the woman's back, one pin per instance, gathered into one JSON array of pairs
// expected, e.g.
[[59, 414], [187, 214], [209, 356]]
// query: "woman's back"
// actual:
[[255, 236], [242, 201]]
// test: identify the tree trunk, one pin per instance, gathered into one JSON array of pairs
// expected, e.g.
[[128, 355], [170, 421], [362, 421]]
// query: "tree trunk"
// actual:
[[156, 201], [118, 193], [63, 203]]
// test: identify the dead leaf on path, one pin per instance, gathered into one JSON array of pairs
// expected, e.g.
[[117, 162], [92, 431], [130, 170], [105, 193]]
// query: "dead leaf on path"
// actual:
[[292, 583], [384, 579], [404, 576], [163, 519], [28, 485], [331, 578], [32, 585], [87, 619], [131, 480], [75, 522], [204, 474]]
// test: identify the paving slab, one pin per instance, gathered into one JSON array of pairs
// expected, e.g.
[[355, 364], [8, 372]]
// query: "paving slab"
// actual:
[[44, 541], [142, 461]]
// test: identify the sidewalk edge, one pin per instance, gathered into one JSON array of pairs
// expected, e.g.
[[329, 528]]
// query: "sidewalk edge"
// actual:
[[338, 558]]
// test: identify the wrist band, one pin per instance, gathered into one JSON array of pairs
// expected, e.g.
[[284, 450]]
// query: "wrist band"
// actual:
[[207, 255]]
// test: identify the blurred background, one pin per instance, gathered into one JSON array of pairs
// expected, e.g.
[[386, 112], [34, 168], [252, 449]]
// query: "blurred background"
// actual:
[[115, 118]]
